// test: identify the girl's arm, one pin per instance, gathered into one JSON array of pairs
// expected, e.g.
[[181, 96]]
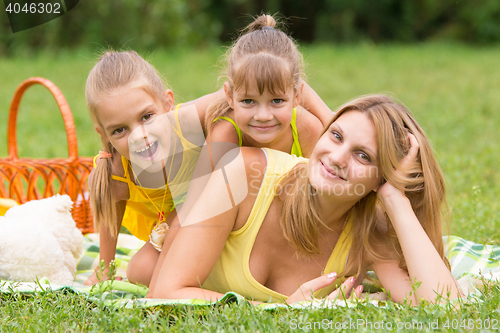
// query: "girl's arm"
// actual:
[[203, 102], [426, 270], [199, 241], [309, 129], [107, 242], [311, 101], [107, 248]]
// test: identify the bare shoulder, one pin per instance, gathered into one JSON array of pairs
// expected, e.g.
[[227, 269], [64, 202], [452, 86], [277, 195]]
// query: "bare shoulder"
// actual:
[[246, 162], [255, 159], [244, 176], [224, 131], [309, 129]]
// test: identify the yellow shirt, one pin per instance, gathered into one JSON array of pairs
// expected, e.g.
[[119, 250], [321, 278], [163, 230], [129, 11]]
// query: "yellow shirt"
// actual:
[[296, 150], [232, 270], [144, 204]]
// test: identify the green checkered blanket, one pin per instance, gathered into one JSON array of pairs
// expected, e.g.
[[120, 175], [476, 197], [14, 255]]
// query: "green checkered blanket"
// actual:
[[467, 259], [126, 248]]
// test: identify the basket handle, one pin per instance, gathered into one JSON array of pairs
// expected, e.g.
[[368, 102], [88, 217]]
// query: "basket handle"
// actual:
[[69, 125]]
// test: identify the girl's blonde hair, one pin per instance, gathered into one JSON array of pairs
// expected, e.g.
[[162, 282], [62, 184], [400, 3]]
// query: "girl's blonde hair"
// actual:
[[263, 57], [424, 186], [114, 70]]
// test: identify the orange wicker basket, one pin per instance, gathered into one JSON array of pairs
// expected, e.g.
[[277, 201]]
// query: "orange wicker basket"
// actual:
[[25, 179]]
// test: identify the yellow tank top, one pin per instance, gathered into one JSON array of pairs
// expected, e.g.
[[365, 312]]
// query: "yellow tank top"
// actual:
[[232, 270], [143, 206], [296, 150]]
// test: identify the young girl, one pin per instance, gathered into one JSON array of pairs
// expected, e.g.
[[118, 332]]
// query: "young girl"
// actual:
[[129, 107], [369, 198], [262, 94]]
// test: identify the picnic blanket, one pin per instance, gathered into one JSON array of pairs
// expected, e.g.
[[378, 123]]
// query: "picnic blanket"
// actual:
[[469, 262]]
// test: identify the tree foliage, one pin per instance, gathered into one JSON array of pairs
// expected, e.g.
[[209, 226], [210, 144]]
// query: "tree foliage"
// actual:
[[151, 24]]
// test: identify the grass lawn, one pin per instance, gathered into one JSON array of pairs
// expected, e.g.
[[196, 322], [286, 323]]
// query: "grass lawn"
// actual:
[[452, 90]]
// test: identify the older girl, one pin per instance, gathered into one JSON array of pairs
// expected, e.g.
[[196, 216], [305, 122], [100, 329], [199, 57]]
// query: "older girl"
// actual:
[[137, 121]]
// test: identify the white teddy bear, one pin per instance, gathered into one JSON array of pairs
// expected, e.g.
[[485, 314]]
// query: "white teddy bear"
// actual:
[[40, 239]]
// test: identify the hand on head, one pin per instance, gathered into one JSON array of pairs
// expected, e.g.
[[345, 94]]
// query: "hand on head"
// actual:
[[387, 189]]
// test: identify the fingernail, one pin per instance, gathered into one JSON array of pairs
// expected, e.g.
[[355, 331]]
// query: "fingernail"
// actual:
[[360, 288], [352, 279], [332, 275]]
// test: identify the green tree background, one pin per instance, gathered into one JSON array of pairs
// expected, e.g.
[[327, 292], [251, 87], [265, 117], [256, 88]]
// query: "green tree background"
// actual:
[[149, 24]]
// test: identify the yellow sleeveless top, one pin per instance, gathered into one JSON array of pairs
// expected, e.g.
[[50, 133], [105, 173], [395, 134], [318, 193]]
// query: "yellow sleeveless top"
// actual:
[[232, 270], [143, 206], [296, 150]]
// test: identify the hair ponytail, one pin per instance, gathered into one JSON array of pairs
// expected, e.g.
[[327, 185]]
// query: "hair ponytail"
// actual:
[[261, 22], [102, 201]]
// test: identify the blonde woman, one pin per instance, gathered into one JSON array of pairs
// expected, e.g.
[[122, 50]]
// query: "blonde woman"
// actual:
[[369, 198]]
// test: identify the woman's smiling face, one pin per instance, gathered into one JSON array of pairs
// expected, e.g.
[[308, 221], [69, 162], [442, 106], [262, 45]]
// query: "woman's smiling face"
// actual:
[[344, 162]]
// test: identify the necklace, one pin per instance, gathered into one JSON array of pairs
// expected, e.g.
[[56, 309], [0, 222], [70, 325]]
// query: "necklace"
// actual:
[[159, 232]]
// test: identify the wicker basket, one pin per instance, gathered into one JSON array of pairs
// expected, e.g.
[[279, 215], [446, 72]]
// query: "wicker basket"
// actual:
[[25, 179]]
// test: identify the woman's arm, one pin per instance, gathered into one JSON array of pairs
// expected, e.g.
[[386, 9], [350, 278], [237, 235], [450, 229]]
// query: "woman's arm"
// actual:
[[426, 270], [425, 266], [311, 101], [199, 241]]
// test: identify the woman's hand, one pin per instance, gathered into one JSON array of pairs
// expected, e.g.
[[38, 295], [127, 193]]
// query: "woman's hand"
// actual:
[[307, 289], [387, 190]]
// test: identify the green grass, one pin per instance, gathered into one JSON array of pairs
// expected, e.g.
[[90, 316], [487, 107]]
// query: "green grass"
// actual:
[[66, 312], [452, 90]]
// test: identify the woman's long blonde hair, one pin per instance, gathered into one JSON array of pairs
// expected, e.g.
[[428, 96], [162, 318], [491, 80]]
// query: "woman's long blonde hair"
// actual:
[[113, 70], [424, 186], [263, 57]]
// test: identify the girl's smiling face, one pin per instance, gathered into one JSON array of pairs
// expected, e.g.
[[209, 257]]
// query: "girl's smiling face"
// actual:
[[262, 117], [130, 120], [344, 162]]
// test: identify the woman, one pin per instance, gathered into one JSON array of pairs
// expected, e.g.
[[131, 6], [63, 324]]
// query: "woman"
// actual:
[[369, 198]]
